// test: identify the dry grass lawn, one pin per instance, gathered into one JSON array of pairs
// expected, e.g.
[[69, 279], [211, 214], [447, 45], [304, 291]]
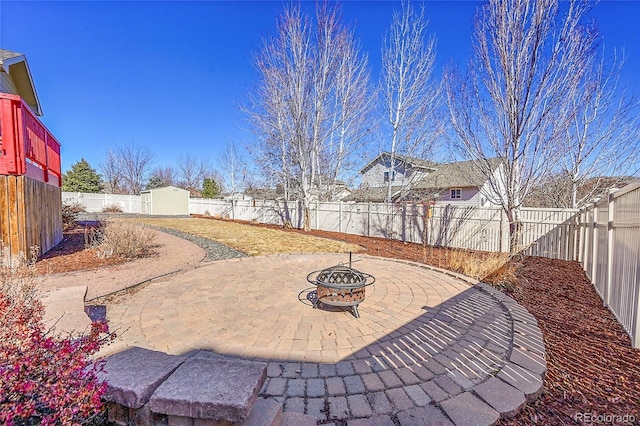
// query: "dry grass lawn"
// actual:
[[253, 240]]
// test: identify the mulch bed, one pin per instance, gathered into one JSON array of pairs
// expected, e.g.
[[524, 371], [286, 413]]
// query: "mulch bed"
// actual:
[[591, 366], [72, 254]]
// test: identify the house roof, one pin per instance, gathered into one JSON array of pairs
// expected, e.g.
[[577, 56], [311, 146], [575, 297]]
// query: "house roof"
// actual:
[[413, 162], [458, 174], [15, 64], [372, 194]]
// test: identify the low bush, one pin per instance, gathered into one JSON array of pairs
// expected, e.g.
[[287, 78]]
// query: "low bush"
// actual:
[[43, 380], [70, 213], [504, 278], [112, 208], [117, 238], [492, 268]]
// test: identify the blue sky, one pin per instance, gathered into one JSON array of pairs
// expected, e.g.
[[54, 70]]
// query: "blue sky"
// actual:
[[171, 75]]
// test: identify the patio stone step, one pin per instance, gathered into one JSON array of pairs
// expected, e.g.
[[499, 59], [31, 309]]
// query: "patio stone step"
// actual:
[[200, 388], [134, 374], [209, 388]]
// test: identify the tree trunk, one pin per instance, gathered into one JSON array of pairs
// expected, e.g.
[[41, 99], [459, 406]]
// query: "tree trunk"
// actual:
[[515, 230], [306, 209]]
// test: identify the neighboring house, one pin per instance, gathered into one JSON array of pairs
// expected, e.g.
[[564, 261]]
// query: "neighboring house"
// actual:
[[15, 79], [458, 183], [262, 194], [406, 170], [319, 192]]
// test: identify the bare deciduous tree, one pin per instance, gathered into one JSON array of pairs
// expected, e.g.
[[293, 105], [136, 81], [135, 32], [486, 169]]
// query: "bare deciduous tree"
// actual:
[[602, 145], [234, 168], [516, 102], [126, 168], [113, 182], [191, 172], [410, 96], [310, 109], [162, 176]]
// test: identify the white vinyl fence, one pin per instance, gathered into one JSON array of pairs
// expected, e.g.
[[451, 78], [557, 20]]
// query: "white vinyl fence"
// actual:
[[95, 203], [609, 251], [440, 225]]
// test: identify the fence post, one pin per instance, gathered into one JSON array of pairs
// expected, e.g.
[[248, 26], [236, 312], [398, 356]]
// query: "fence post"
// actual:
[[594, 245], [317, 215], [404, 221], [583, 235], [574, 234], [340, 217], [504, 232], [369, 219], [610, 247]]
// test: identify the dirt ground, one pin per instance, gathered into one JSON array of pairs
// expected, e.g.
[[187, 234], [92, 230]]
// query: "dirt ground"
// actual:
[[592, 368], [71, 264], [71, 254]]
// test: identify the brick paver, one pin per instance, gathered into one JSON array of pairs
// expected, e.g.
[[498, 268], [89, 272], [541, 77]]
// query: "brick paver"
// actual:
[[427, 343]]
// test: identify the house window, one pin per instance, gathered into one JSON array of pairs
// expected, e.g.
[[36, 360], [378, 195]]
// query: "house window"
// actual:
[[456, 194], [386, 176]]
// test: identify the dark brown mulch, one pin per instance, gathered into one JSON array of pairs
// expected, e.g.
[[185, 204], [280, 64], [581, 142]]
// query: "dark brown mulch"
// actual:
[[71, 254], [592, 367]]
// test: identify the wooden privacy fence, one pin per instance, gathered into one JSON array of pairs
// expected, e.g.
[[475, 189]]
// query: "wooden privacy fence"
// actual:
[[609, 252], [30, 215], [476, 228]]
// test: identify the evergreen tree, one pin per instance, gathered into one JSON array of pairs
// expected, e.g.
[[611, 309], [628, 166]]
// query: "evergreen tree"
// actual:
[[155, 182], [210, 188], [82, 178]]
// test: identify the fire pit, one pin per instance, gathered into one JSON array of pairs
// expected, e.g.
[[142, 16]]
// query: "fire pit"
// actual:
[[340, 285]]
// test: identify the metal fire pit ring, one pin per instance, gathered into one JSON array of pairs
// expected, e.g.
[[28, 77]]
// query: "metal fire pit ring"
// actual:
[[340, 285]]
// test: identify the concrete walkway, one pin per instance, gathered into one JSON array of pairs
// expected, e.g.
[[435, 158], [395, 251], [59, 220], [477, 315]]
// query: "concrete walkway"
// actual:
[[430, 347]]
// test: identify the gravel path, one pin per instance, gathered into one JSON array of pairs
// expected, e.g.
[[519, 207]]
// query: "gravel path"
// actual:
[[214, 250]]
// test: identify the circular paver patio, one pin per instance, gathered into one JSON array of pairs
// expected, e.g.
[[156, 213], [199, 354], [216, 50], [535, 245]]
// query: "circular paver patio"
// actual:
[[428, 343]]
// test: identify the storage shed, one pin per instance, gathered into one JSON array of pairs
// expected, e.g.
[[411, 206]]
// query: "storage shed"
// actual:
[[168, 200]]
